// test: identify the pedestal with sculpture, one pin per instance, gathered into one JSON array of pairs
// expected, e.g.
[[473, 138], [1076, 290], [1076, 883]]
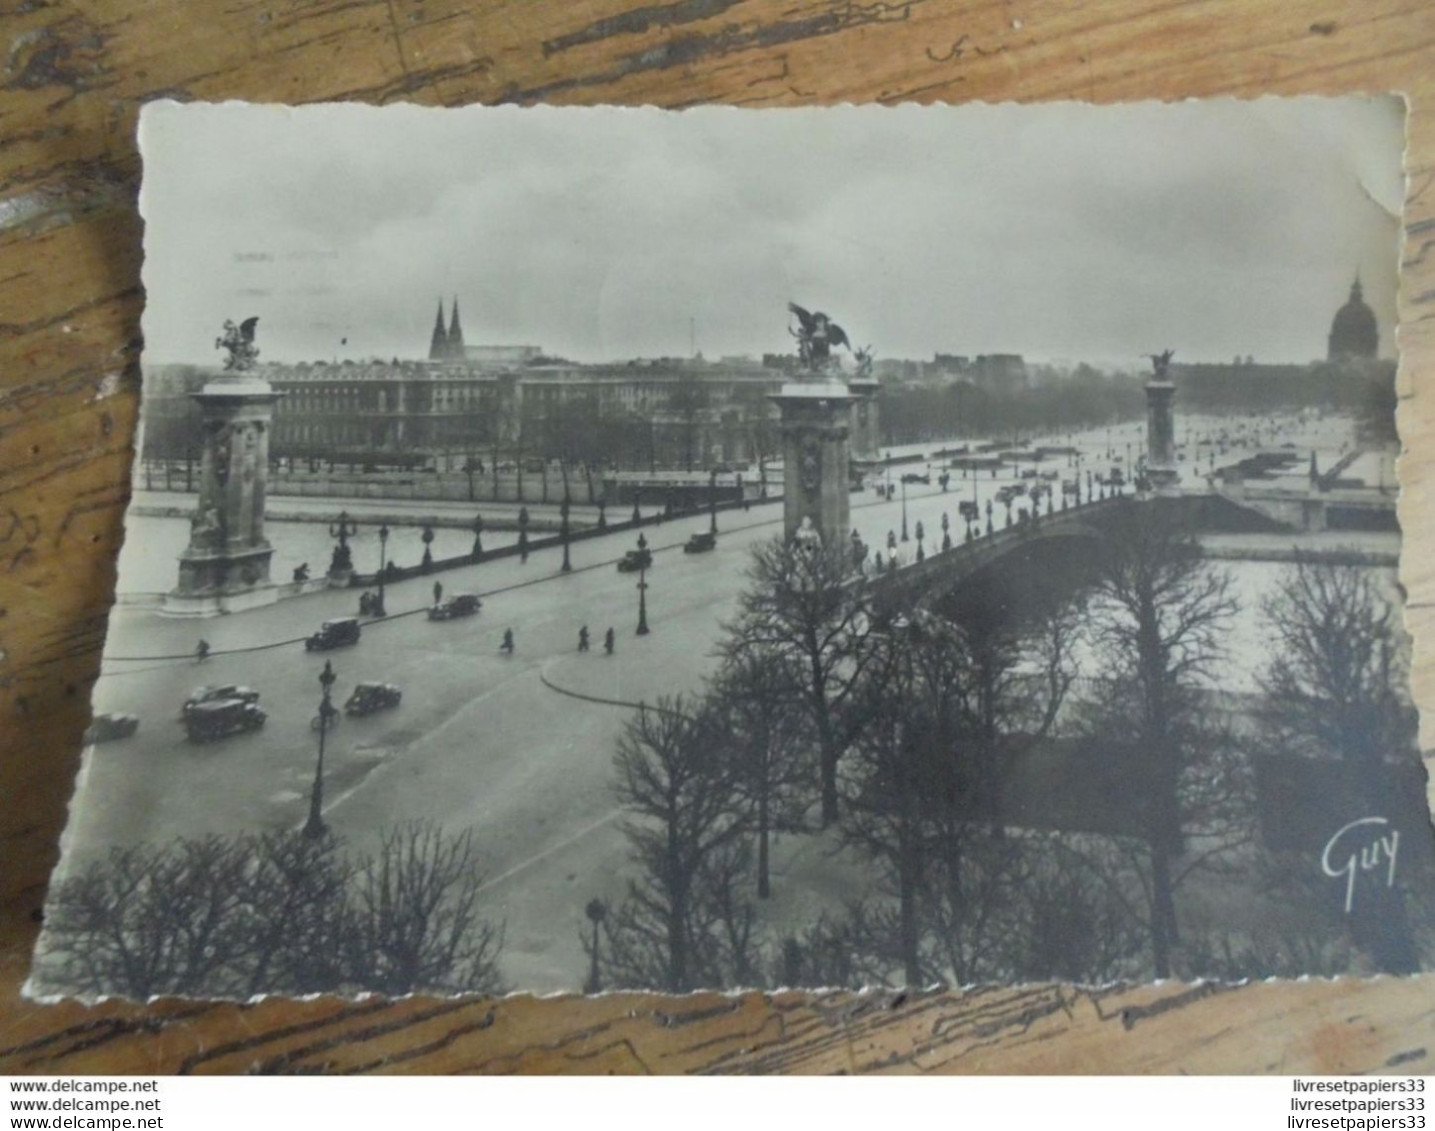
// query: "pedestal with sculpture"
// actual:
[[1161, 471], [225, 567], [816, 426]]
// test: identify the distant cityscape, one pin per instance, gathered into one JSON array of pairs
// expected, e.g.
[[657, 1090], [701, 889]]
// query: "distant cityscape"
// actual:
[[467, 405]]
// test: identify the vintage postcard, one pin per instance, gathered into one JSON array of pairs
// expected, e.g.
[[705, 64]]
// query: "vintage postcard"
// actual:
[[577, 550]]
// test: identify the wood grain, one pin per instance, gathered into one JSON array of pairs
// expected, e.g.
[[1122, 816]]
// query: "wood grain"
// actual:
[[74, 75]]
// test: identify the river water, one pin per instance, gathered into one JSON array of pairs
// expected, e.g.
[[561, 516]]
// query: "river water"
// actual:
[[148, 561]]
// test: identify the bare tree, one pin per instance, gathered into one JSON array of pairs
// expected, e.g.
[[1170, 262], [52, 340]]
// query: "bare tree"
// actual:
[[150, 920], [1333, 690], [1334, 685], [279, 912], [675, 776], [772, 742], [810, 609], [414, 924], [1159, 614]]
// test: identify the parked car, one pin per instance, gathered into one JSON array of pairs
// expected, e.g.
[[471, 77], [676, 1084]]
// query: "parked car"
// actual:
[[700, 543], [459, 605], [108, 728], [219, 718], [917, 477], [370, 697], [333, 634], [223, 691], [1028, 473], [634, 560]]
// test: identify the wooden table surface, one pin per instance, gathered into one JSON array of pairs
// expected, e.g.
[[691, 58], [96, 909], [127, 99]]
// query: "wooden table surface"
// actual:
[[74, 76]]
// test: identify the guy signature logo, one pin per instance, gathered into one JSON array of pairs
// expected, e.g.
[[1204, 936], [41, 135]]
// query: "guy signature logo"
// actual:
[[1361, 846]]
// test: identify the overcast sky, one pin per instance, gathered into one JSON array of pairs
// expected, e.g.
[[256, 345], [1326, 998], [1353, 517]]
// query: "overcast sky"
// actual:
[[1061, 232]]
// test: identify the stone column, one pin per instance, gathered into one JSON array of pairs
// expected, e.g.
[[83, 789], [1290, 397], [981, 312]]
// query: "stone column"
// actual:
[[1161, 435], [816, 482], [225, 567]]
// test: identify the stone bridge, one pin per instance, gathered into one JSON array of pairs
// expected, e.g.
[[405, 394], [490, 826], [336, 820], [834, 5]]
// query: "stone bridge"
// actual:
[[942, 573]]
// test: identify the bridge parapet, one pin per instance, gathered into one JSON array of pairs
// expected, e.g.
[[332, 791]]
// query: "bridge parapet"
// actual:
[[921, 583]]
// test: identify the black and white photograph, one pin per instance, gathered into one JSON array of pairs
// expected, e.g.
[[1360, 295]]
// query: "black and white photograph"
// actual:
[[585, 550]]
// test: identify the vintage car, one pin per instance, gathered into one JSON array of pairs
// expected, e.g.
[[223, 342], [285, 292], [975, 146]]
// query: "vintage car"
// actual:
[[222, 691], [370, 697], [700, 543], [634, 560], [219, 718], [333, 634], [459, 605], [108, 728], [917, 477], [969, 510], [1028, 473]]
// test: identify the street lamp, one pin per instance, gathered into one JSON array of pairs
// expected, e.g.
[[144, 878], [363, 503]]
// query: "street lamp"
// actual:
[[642, 586], [427, 537], [314, 827], [904, 510], [946, 533], [921, 553], [478, 535], [378, 606], [342, 560], [596, 911], [712, 501], [567, 566]]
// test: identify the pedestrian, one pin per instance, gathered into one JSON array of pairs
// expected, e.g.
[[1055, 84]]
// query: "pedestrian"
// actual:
[[583, 639], [201, 653], [437, 592], [608, 642], [507, 645], [366, 603]]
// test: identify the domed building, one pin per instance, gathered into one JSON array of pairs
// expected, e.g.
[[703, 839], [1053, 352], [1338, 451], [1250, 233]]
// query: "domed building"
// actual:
[[1353, 333]]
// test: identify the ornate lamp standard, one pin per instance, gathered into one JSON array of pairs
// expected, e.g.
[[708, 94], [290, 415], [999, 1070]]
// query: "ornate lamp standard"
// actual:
[[379, 609], [643, 587], [567, 566], [523, 535], [946, 533], [427, 538], [596, 911], [314, 827], [478, 535], [921, 553], [904, 510], [712, 501], [343, 559]]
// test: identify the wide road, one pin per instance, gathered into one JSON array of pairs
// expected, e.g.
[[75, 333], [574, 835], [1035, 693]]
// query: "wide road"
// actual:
[[481, 741]]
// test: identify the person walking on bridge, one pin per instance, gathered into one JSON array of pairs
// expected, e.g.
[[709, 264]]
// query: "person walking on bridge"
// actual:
[[507, 646], [608, 642], [583, 639]]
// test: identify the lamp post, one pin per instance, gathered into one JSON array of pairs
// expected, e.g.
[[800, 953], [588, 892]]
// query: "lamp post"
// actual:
[[921, 553], [946, 533], [567, 566], [342, 560], [478, 535], [378, 606], [427, 538], [314, 827], [596, 911], [712, 501], [642, 586], [523, 535], [904, 510]]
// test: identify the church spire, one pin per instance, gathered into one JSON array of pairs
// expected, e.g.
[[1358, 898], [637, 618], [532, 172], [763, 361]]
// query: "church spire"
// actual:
[[455, 334], [438, 344]]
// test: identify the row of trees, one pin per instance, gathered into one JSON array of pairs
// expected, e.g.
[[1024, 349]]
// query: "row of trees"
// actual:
[[274, 913], [912, 737], [1086, 397]]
